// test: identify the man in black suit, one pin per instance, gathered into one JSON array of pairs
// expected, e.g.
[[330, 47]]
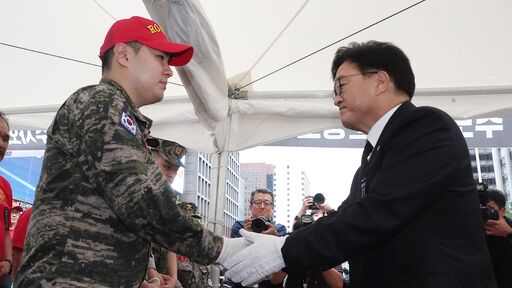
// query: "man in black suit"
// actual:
[[412, 218]]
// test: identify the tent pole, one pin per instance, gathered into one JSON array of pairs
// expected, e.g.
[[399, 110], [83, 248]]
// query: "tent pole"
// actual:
[[217, 222]]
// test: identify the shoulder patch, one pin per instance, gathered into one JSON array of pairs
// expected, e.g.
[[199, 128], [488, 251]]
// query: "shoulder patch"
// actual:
[[128, 123]]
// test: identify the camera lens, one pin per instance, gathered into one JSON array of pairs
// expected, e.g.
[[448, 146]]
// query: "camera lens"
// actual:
[[259, 225], [319, 198]]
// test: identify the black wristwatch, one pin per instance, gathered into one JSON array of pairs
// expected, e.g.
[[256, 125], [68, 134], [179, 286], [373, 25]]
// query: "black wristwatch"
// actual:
[[10, 265]]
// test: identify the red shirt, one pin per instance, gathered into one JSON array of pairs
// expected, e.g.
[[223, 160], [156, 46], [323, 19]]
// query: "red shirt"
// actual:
[[18, 237], [5, 205]]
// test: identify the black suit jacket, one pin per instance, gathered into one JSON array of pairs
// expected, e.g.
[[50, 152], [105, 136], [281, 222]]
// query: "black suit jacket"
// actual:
[[419, 223]]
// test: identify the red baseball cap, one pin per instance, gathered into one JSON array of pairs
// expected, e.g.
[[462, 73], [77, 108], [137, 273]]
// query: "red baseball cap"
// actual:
[[149, 33]]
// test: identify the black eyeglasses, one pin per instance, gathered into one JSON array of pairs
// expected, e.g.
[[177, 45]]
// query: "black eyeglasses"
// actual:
[[338, 86], [258, 203]]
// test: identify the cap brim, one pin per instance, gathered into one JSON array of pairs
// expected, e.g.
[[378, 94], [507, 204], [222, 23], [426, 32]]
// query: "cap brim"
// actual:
[[181, 54]]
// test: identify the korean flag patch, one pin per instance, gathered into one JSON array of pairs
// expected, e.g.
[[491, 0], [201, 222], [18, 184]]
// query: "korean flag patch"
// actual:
[[128, 124]]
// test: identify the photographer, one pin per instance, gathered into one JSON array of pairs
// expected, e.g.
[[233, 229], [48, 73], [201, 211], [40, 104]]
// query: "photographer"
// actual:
[[499, 238], [316, 204], [262, 208], [314, 278]]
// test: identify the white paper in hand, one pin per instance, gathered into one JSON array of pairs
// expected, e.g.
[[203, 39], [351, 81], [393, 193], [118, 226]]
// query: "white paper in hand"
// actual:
[[257, 261]]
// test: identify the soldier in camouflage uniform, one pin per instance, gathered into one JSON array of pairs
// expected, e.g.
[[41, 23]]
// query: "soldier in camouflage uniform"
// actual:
[[101, 200], [168, 156], [191, 274]]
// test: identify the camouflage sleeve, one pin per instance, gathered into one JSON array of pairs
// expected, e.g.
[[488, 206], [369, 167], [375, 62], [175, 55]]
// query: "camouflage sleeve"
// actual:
[[118, 166]]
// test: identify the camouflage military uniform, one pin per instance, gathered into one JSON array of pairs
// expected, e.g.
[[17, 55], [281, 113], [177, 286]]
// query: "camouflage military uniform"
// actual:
[[191, 274], [170, 151], [101, 200]]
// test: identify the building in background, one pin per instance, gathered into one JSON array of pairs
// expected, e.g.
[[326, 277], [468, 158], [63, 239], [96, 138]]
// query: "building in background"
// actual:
[[197, 187], [255, 176], [493, 166], [290, 187]]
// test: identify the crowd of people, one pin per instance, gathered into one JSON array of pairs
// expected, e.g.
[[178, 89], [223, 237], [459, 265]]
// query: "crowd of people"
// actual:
[[105, 213]]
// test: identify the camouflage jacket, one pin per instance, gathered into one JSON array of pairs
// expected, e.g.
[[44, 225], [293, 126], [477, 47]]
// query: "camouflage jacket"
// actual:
[[192, 275], [101, 199]]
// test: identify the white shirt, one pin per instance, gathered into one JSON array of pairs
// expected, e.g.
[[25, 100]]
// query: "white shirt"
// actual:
[[376, 130]]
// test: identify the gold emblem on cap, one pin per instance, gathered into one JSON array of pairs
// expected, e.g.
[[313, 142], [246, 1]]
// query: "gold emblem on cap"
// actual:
[[178, 150], [188, 207]]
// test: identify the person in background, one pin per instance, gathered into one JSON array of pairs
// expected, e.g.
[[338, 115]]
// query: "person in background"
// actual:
[[319, 277], [5, 214], [327, 277], [261, 204], [191, 274], [18, 240], [101, 200], [412, 217], [17, 210], [168, 156], [499, 239], [317, 210]]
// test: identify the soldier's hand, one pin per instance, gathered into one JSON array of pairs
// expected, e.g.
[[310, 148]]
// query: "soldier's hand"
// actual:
[[257, 261], [168, 281], [145, 284], [230, 247]]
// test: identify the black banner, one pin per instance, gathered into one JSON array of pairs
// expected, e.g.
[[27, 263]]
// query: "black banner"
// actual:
[[479, 133]]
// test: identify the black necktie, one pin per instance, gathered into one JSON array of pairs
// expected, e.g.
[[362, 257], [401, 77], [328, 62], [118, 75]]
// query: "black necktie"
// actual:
[[364, 162], [366, 152]]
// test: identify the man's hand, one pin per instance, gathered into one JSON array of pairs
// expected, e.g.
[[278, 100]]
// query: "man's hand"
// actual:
[[168, 281], [498, 228], [306, 202], [271, 230], [257, 261], [231, 247], [248, 224], [325, 207]]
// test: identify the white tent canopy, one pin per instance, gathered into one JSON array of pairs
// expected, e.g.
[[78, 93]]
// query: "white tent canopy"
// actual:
[[459, 50]]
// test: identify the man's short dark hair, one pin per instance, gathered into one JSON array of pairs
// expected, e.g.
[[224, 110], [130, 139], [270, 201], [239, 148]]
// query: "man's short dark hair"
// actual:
[[106, 63], [261, 190], [4, 118], [497, 196], [374, 55]]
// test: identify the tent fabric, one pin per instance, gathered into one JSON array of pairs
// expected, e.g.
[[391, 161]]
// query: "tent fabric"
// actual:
[[462, 65]]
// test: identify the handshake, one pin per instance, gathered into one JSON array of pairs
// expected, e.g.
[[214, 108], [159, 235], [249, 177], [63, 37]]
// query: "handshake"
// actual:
[[252, 257]]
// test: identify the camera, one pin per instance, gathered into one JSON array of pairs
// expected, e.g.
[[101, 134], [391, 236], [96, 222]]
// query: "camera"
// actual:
[[488, 213], [306, 220], [318, 198], [259, 224]]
